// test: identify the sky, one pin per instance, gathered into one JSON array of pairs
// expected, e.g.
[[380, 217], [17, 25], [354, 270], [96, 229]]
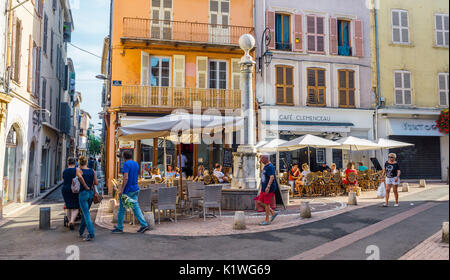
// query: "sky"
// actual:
[[91, 26]]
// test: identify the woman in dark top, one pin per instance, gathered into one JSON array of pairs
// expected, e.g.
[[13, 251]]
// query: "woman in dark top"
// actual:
[[70, 198], [85, 197], [392, 173]]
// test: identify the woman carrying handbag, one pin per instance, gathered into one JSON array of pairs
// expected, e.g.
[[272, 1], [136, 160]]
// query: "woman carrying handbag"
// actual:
[[86, 197]]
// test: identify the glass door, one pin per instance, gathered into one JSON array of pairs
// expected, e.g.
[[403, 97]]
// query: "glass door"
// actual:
[[160, 81], [218, 83], [219, 17]]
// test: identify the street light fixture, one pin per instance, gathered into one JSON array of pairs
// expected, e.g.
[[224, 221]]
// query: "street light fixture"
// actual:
[[266, 55], [102, 77]]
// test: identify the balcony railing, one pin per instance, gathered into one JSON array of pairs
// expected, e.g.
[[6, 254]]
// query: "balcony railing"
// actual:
[[177, 31], [173, 98]]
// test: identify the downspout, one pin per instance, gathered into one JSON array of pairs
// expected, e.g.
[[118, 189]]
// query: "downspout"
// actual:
[[378, 68]]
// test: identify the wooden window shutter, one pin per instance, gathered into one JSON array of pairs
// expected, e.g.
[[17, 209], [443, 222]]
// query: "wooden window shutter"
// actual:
[[18, 50], [333, 36], [271, 24], [30, 64], [320, 34], [202, 72], [37, 72], [359, 43], [179, 70], [235, 74], [145, 69], [298, 33], [311, 33]]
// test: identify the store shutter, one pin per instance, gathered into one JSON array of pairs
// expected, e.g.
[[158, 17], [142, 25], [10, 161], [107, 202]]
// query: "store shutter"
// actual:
[[298, 33], [179, 71], [333, 36], [145, 66], [271, 24], [359, 43], [202, 72]]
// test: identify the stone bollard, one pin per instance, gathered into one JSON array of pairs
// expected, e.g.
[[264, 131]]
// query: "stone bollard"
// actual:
[[405, 187], [239, 220], [423, 184], [44, 218], [305, 210], [445, 232], [352, 199], [150, 219], [111, 205]]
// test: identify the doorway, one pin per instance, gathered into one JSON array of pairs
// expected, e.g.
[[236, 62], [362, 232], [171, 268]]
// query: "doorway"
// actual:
[[10, 175], [31, 173]]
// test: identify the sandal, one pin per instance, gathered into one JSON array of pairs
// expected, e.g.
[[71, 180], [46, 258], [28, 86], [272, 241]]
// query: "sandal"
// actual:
[[264, 223]]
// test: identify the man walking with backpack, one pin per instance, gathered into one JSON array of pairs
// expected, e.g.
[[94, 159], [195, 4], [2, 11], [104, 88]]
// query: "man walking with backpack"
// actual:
[[131, 189]]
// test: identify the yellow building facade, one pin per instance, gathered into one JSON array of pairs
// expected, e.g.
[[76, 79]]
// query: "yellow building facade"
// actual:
[[169, 55], [411, 40]]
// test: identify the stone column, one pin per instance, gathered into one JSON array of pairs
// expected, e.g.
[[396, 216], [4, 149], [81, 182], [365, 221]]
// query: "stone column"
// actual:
[[246, 159]]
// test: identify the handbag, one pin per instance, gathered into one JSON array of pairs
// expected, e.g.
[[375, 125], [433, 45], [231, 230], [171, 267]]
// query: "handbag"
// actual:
[[75, 185], [97, 198]]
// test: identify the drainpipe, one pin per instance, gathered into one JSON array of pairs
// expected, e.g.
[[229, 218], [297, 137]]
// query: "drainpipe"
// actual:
[[378, 69]]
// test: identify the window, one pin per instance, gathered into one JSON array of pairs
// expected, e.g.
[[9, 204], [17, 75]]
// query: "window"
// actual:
[[51, 48], [160, 72], [218, 74], [219, 12], [315, 34], [282, 32], [44, 93], [344, 46], [316, 87], [161, 26], [284, 85], [402, 81], [400, 27], [443, 80], [44, 43], [441, 26], [320, 156], [346, 88]]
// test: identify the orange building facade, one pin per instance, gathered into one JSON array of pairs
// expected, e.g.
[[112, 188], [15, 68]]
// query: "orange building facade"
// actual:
[[169, 55]]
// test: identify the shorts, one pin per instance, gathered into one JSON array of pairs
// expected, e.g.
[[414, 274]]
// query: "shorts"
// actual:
[[292, 183], [265, 198], [391, 181]]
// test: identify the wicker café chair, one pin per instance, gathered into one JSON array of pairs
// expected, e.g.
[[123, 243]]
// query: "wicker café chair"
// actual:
[[195, 193], [167, 200], [212, 198], [336, 182], [327, 186], [145, 200], [352, 182]]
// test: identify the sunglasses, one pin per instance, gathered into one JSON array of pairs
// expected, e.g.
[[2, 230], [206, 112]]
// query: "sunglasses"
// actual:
[[391, 157]]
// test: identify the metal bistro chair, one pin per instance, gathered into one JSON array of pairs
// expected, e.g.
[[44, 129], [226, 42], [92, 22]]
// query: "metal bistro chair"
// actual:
[[195, 193], [145, 200], [212, 199], [167, 200]]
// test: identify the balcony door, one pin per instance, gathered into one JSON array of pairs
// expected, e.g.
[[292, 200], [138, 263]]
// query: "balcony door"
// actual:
[[219, 19], [161, 20], [218, 82], [160, 81]]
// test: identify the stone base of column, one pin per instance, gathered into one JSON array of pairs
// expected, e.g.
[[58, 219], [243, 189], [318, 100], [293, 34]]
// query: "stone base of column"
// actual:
[[246, 168]]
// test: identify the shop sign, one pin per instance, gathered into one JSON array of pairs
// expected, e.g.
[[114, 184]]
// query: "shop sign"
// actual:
[[405, 127], [303, 118], [126, 144]]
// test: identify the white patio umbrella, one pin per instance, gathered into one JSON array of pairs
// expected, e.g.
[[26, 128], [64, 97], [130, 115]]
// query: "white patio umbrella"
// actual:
[[354, 143], [272, 147], [308, 141], [391, 144], [168, 127]]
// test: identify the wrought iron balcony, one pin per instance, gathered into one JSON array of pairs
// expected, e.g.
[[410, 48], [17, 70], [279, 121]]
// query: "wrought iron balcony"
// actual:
[[138, 29], [174, 98]]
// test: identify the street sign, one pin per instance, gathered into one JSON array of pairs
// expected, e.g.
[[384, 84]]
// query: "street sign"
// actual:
[[117, 83]]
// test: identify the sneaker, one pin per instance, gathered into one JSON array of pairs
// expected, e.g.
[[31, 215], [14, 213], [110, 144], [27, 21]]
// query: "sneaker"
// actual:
[[89, 238], [116, 230], [71, 226], [274, 216], [385, 205], [143, 229], [264, 223], [396, 205]]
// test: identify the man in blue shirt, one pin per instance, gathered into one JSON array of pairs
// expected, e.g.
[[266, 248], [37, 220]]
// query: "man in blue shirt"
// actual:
[[268, 187], [131, 189]]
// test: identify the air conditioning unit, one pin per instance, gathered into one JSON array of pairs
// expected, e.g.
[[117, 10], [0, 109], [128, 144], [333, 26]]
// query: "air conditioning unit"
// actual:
[[45, 115]]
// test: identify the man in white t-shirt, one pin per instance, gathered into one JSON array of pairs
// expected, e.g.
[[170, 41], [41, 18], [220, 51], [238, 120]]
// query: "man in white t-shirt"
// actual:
[[183, 163], [219, 174]]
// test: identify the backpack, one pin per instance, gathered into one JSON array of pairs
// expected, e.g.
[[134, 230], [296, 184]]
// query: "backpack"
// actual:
[[75, 185]]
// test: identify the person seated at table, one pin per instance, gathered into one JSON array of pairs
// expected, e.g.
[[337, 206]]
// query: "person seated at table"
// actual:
[[177, 172], [350, 169], [324, 167], [170, 172], [200, 171], [219, 174], [229, 173], [333, 170], [155, 174], [361, 167], [305, 172], [294, 174]]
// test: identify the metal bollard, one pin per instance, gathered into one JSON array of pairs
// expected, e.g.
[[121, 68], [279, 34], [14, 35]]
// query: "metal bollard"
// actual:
[[44, 218]]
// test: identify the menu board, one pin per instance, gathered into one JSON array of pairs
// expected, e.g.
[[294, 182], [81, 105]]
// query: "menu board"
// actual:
[[227, 157]]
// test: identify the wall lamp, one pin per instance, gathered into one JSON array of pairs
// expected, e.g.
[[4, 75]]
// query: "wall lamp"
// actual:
[[266, 55]]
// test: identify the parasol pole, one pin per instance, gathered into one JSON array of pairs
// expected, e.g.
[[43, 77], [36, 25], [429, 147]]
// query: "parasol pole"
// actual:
[[181, 172], [309, 159], [165, 158]]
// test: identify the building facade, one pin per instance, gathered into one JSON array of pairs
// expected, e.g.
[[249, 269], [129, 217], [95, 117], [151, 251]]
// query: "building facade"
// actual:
[[319, 79], [411, 41], [167, 57], [83, 136]]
